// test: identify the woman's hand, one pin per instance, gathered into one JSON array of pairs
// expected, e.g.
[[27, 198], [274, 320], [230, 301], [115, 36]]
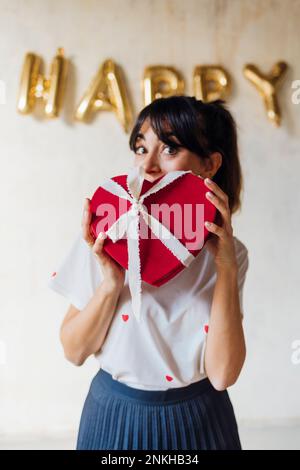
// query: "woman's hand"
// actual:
[[222, 245], [113, 273]]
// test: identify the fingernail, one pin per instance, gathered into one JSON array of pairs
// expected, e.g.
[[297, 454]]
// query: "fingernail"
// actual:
[[208, 224], [209, 194], [208, 180]]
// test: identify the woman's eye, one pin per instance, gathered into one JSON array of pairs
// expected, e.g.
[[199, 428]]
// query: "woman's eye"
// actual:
[[137, 150], [173, 150]]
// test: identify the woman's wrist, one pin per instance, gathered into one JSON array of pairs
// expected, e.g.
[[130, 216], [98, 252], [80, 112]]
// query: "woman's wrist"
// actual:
[[228, 271], [111, 285]]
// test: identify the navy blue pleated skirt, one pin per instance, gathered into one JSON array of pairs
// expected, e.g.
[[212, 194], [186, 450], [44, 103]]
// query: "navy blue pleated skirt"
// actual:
[[118, 417]]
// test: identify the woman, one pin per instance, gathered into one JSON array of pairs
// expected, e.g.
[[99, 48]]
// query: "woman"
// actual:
[[156, 389]]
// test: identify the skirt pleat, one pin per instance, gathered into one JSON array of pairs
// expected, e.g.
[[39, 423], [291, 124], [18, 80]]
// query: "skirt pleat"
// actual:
[[118, 417]]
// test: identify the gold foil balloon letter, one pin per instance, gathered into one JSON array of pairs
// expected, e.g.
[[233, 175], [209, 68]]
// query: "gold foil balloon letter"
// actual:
[[35, 85], [211, 82], [266, 85], [107, 92], [160, 82]]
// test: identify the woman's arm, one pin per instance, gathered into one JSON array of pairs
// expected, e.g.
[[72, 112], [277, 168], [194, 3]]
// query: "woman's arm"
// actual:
[[225, 348], [82, 333]]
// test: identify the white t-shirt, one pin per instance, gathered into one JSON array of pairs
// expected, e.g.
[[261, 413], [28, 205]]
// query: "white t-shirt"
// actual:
[[166, 349]]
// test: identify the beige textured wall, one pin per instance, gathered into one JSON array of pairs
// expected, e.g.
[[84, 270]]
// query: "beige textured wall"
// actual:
[[47, 168]]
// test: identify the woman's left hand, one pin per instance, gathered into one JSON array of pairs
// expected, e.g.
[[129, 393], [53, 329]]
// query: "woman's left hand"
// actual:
[[222, 245]]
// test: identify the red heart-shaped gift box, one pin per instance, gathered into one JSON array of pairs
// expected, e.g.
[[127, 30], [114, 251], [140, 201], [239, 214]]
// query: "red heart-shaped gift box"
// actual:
[[158, 264]]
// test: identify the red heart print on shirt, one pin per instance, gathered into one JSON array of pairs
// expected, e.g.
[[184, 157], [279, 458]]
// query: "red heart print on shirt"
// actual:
[[206, 328], [169, 378], [125, 317], [53, 274]]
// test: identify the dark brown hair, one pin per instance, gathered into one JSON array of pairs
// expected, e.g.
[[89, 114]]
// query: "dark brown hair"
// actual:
[[202, 128]]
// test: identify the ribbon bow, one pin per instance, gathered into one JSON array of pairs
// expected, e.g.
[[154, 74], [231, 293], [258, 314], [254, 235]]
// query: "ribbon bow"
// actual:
[[128, 223]]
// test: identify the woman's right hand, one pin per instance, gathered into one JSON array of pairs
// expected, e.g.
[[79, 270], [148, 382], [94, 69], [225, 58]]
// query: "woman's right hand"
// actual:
[[112, 272]]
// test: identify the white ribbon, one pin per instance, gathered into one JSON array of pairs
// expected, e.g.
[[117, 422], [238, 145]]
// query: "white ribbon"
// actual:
[[128, 224]]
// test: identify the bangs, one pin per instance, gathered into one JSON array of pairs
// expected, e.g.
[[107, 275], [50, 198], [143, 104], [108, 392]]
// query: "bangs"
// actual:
[[170, 117]]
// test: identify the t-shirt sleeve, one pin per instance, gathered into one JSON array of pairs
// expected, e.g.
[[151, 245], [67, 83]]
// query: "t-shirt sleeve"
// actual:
[[243, 264], [78, 275]]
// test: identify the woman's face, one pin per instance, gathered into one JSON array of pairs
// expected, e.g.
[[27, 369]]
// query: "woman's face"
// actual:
[[157, 158]]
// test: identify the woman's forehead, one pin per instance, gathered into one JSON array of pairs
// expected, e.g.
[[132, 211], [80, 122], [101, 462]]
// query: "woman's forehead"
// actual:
[[147, 128]]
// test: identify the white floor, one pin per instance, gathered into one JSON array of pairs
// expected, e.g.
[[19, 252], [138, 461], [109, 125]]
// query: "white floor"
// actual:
[[252, 438]]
